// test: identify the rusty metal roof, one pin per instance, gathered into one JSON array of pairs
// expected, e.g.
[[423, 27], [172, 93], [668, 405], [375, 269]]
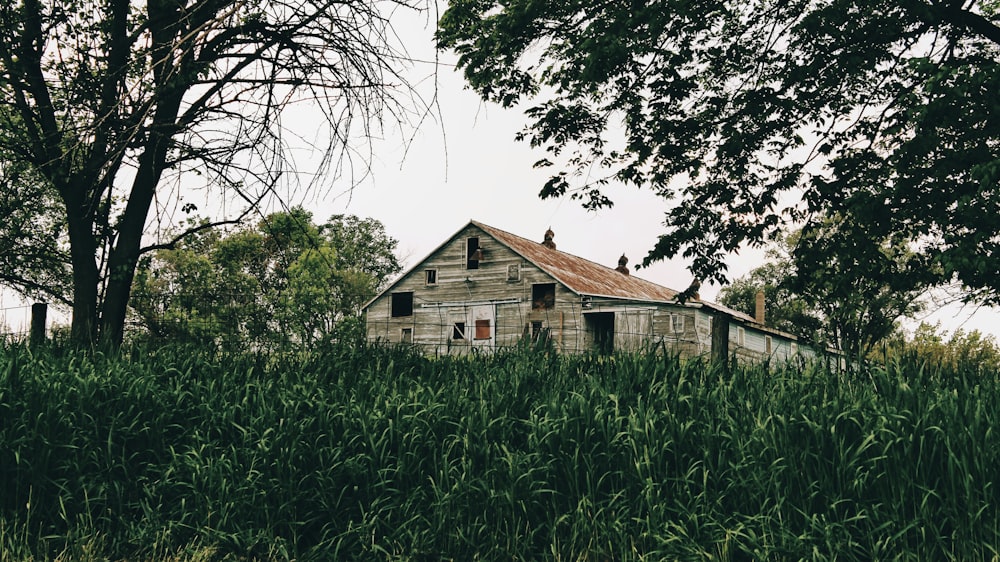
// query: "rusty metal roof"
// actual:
[[585, 277], [580, 275]]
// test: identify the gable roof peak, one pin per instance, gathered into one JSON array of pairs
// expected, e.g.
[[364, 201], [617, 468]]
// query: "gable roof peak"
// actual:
[[580, 275]]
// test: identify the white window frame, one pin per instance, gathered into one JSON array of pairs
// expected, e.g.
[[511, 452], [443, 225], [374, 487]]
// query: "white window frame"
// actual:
[[676, 326], [741, 336]]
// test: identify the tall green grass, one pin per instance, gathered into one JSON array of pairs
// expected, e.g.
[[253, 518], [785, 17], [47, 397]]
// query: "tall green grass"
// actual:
[[370, 453]]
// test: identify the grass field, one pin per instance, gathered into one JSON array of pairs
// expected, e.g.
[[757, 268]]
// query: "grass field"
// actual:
[[368, 453]]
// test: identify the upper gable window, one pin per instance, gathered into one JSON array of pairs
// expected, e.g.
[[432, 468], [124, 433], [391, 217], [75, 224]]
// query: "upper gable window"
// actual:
[[543, 295], [431, 276], [472, 252], [402, 304]]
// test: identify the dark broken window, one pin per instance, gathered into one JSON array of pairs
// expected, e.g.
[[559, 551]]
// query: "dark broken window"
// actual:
[[472, 253], [402, 304], [543, 295]]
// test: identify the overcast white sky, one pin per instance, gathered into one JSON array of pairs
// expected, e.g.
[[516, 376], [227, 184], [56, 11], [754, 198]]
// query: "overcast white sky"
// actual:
[[467, 165], [488, 177]]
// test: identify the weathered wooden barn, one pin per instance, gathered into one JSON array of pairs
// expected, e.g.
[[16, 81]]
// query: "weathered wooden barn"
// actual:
[[485, 288]]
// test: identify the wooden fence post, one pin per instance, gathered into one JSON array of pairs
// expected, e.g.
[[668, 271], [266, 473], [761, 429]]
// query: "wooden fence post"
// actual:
[[39, 311], [720, 339]]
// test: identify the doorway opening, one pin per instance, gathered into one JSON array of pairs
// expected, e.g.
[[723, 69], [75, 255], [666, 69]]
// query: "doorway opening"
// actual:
[[602, 326]]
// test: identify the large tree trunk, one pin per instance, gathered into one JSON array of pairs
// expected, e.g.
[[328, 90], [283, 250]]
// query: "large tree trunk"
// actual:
[[125, 254], [122, 263], [116, 297], [86, 277]]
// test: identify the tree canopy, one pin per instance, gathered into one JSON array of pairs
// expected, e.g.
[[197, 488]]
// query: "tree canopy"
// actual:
[[283, 280], [785, 309], [753, 115], [33, 257], [112, 107], [849, 300], [963, 351]]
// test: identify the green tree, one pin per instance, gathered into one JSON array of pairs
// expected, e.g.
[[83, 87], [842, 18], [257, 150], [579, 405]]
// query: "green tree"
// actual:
[[850, 300], [755, 115], [317, 296], [109, 102], [861, 285], [33, 258], [786, 310], [182, 293], [363, 245], [963, 351], [283, 280]]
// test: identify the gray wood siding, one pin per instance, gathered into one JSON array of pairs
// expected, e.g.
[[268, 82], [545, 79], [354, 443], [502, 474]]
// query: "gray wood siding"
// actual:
[[436, 307], [460, 296], [754, 348], [677, 328]]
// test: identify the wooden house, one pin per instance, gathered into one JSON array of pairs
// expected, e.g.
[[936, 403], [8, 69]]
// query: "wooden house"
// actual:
[[485, 288]]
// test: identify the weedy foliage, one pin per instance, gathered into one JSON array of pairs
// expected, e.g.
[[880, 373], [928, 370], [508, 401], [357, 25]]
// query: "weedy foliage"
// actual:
[[373, 453]]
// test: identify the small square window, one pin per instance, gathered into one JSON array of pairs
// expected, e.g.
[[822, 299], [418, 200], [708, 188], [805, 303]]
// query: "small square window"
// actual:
[[431, 276], [483, 329], [543, 296], [458, 331], [406, 335], [402, 304]]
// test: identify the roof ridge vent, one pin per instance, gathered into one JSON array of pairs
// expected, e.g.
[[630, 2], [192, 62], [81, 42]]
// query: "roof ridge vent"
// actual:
[[549, 235], [623, 265]]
